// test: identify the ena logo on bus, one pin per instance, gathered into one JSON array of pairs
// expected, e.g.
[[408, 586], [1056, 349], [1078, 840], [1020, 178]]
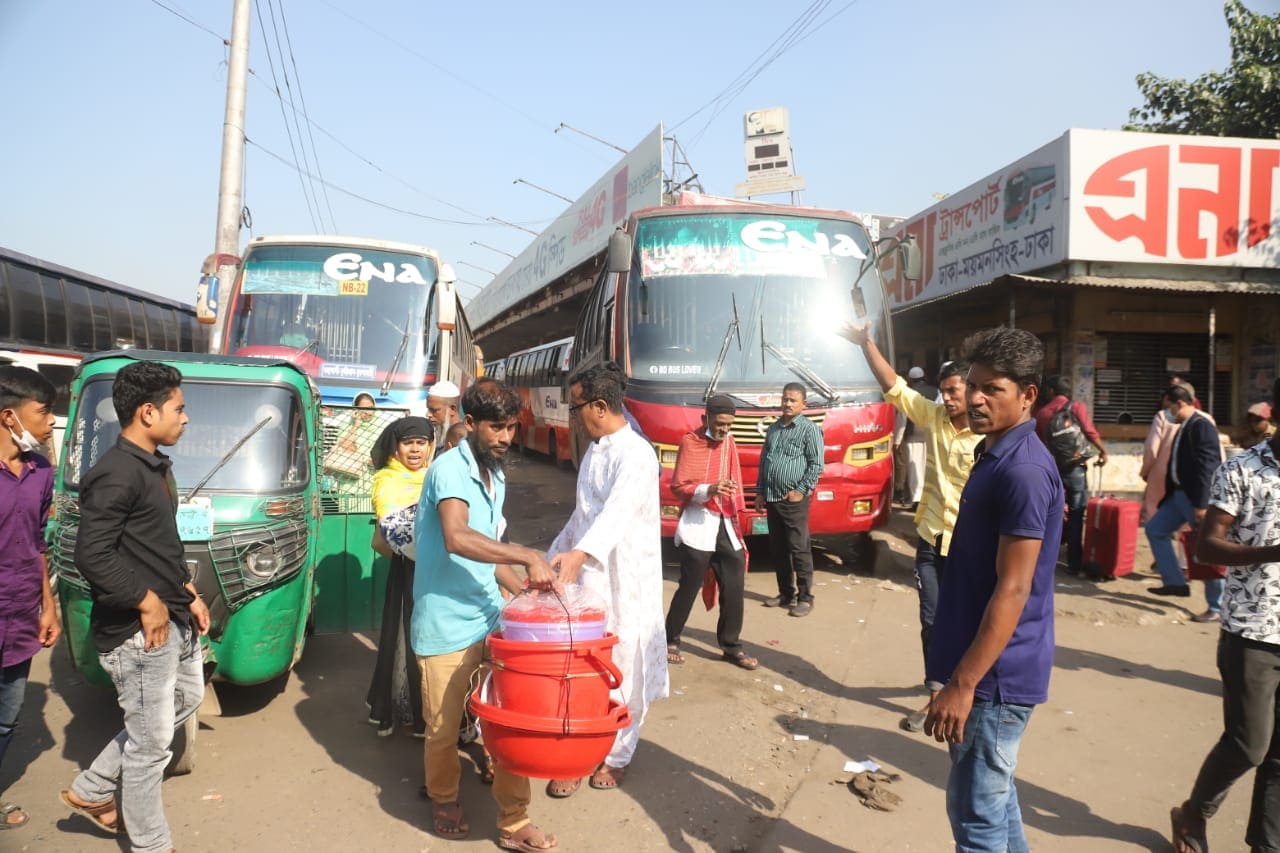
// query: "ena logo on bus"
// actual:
[[771, 236], [348, 265]]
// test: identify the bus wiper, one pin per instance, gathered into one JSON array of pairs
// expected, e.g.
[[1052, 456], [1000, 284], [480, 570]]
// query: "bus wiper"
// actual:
[[395, 362], [796, 366], [227, 458], [312, 346], [729, 333]]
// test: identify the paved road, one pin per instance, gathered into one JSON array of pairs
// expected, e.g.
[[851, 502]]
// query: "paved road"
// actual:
[[723, 766]]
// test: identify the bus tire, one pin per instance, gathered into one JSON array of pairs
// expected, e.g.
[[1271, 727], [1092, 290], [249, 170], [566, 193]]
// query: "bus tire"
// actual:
[[184, 747]]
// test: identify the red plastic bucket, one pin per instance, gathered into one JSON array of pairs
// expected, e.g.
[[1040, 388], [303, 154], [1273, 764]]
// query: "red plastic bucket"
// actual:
[[556, 680], [545, 747]]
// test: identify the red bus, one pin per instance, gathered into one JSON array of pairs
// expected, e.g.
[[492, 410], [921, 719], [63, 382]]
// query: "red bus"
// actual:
[[741, 299]]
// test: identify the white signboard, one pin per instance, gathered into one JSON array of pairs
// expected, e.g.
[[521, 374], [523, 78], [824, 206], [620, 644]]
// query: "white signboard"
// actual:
[[580, 232], [1169, 199], [1010, 221]]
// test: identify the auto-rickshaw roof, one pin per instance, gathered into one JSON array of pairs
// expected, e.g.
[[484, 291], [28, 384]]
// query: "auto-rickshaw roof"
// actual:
[[198, 359]]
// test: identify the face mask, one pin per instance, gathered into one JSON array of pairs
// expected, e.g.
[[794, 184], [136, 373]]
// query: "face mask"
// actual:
[[26, 442]]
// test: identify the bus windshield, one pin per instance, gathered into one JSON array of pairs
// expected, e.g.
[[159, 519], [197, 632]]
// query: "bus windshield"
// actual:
[[354, 311], [275, 459], [788, 276]]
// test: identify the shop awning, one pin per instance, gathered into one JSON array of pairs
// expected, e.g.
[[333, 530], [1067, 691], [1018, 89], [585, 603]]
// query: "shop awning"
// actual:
[[1165, 284]]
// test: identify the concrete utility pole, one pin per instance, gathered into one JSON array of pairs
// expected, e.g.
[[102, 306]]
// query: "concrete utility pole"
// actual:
[[230, 185]]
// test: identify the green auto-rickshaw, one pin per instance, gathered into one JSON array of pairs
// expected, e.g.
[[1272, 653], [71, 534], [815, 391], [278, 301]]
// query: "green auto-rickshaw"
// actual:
[[247, 470]]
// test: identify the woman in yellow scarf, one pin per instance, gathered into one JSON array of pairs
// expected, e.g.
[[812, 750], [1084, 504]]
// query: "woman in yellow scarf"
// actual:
[[400, 456]]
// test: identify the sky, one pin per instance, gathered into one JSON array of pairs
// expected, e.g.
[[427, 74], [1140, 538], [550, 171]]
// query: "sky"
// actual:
[[112, 145]]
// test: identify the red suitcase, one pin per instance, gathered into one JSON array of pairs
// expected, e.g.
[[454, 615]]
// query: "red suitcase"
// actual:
[[1110, 537], [1197, 571]]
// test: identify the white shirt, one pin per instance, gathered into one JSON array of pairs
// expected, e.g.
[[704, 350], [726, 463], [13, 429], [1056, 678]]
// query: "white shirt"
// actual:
[[615, 521]]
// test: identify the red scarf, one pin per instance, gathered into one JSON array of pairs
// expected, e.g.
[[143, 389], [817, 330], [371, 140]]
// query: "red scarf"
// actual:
[[702, 461]]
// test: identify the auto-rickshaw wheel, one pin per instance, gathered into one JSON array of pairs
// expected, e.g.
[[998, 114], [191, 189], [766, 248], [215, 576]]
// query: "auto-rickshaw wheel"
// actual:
[[184, 747]]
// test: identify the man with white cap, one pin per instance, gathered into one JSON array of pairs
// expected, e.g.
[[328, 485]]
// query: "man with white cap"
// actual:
[[916, 439], [442, 410]]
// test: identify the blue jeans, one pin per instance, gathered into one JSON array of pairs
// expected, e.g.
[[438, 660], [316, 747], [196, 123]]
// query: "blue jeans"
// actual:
[[930, 566], [1076, 484], [1163, 526], [157, 690], [13, 687], [982, 801]]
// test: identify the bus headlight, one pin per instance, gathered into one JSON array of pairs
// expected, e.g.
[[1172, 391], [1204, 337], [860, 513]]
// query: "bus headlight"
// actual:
[[666, 454], [867, 453], [861, 506]]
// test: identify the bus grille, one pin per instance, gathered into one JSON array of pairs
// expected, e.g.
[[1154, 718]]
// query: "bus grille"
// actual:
[[750, 429]]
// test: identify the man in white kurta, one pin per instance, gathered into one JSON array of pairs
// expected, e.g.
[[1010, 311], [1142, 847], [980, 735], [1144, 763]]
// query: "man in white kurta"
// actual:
[[612, 544]]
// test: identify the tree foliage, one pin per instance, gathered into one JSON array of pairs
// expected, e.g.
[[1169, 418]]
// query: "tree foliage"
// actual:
[[1243, 100]]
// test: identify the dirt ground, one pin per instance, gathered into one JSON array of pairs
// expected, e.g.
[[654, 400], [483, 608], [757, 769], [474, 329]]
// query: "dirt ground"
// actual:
[[732, 761]]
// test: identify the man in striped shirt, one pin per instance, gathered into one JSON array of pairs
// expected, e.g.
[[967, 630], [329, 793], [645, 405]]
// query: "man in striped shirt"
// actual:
[[949, 456], [790, 465]]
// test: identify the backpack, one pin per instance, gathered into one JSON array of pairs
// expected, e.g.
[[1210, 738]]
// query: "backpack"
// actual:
[[1065, 439]]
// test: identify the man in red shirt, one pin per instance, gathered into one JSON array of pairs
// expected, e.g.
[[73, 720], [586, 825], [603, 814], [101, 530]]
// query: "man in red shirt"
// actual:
[[1074, 479]]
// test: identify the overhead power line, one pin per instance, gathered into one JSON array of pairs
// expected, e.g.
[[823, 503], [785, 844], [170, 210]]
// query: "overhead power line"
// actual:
[[285, 115], [196, 24], [302, 99]]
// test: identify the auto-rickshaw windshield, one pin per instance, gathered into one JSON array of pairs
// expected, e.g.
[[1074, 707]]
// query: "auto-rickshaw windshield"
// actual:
[[274, 459]]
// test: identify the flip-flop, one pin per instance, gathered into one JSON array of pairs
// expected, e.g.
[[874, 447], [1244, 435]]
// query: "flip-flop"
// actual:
[[607, 778], [6, 809], [562, 788], [741, 659], [674, 656], [94, 811], [523, 840], [448, 820]]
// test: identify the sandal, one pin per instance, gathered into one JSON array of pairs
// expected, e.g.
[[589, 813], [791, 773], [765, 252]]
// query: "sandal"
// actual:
[[7, 810], [673, 654], [1187, 839], [448, 820], [94, 811], [486, 773], [607, 778], [562, 788], [528, 839], [740, 658]]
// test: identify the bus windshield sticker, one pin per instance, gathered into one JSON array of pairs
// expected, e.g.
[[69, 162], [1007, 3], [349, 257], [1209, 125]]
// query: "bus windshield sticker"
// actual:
[[362, 372], [739, 245], [675, 369]]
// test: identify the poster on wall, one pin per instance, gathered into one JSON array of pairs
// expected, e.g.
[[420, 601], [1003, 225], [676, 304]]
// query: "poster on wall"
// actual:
[[1011, 221], [1261, 367]]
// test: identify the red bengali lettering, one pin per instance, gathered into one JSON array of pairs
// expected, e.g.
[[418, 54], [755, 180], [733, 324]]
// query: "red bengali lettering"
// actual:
[[1112, 179], [1223, 204], [1263, 163]]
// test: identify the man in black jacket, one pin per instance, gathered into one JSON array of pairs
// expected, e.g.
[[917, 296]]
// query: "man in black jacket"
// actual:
[[1197, 453], [147, 617]]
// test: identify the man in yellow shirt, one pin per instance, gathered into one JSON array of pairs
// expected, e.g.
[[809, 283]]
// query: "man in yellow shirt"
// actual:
[[949, 455]]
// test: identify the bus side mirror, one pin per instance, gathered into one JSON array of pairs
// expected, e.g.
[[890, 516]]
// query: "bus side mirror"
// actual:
[[447, 274], [910, 258], [619, 251]]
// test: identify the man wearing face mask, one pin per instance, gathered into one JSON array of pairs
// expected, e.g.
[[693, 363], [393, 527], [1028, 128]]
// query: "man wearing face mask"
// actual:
[[28, 619], [708, 481]]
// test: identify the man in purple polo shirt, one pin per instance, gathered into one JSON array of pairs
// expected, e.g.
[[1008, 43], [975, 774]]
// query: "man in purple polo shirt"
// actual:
[[28, 619], [993, 631]]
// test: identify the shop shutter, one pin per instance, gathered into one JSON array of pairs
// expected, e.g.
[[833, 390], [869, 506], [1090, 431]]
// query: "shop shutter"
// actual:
[[1128, 388]]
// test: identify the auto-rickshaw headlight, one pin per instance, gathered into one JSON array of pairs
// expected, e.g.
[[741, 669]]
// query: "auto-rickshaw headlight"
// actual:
[[263, 562]]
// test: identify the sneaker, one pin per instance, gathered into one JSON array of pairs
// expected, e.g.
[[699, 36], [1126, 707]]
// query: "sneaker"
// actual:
[[386, 732], [801, 608], [1181, 591], [1207, 616], [779, 601]]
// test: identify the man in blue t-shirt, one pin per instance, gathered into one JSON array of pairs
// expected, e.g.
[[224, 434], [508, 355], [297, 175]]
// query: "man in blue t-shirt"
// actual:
[[456, 602], [993, 632]]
